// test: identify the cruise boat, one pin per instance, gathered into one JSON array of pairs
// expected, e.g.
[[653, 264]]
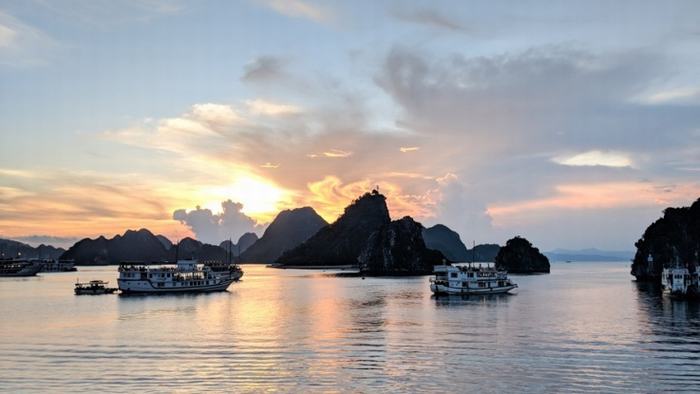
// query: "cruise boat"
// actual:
[[50, 265], [679, 281], [469, 279], [19, 267], [187, 276], [93, 287]]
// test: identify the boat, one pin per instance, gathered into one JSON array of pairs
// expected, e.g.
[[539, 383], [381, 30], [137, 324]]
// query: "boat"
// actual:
[[187, 276], [19, 267], [679, 281], [93, 287], [51, 265], [470, 279]]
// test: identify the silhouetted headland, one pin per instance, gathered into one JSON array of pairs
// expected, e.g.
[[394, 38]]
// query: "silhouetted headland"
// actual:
[[673, 239]]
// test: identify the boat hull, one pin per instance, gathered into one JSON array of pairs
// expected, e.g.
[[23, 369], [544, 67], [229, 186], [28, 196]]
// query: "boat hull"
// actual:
[[95, 291], [438, 289]]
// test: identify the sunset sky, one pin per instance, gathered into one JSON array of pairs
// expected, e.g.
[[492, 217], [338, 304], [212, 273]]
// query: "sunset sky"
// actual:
[[570, 123]]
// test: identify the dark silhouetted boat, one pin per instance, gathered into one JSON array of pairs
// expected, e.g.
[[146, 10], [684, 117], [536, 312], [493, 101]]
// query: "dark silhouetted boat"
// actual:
[[19, 267], [93, 287]]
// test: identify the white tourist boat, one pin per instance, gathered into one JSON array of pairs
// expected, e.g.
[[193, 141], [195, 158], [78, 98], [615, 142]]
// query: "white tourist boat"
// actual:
[[679, 281], [470, 278], [52, 265], [187, 276]]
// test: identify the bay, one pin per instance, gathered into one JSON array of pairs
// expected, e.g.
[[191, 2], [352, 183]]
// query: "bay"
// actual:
[[584, 327]]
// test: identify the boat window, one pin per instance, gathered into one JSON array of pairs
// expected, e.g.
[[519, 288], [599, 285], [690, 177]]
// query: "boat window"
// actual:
[[453, 275]]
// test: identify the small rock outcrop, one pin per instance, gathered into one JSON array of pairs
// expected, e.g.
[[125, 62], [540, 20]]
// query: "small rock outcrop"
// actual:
[[341, 242], [442, 238], [189, 248], [398, 248], [672, 239], [289, 229], [244, 242], [520, 257], [484, 252]]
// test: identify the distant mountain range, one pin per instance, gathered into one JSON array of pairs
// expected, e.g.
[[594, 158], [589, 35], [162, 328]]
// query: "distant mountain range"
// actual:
[[363, 235], [12, 249], [144, 247], [590, 254]]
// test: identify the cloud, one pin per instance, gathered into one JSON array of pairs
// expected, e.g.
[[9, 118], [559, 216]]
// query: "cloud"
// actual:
[[498, 137], [269, 108], [299, 9], [597, 196], [330, 195], [678, 95], [81, 203], [265, 68], [22, 45], [7, 36], [337, 154], [105, 14], [595, 158], [214, 228], [431, 18]]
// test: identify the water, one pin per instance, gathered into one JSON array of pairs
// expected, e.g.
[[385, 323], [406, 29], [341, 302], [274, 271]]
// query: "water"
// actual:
[[585, 327]]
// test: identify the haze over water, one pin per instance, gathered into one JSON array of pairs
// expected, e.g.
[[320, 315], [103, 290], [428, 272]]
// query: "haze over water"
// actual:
[[586, 326]]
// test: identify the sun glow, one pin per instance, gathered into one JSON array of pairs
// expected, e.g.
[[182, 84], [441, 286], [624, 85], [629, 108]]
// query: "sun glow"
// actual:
[[261, 198]]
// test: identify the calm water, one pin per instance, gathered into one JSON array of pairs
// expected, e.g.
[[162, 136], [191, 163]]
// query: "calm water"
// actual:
[[585, 327]]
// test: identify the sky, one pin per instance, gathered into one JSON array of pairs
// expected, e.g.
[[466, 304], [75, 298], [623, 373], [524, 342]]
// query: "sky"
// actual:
[[573, 124]]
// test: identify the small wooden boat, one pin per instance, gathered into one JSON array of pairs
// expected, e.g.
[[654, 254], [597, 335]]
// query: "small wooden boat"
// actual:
[[93, 287]]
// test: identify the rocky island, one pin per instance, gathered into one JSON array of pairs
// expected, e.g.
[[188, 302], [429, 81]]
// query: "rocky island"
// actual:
[[365, 236], [518, 256], [672, 239]]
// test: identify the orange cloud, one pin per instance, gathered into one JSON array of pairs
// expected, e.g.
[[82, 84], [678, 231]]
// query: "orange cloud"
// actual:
[[606, 195], [330, 196]]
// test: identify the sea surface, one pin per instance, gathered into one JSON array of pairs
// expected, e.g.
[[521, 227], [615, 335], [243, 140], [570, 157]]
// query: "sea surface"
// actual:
[[585, 327]]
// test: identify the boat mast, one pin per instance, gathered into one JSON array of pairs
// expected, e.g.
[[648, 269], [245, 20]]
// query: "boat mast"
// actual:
[[177, 251]]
